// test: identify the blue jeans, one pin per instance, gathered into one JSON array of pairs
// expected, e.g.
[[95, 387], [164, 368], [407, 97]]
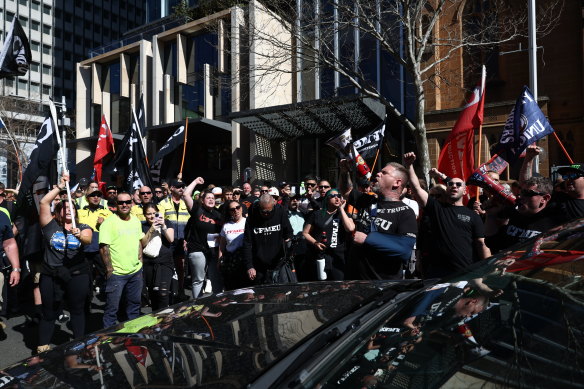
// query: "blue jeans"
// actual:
[[114, 287]]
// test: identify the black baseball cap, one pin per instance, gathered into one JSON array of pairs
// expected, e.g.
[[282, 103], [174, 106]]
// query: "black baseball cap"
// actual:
[[176, 183]]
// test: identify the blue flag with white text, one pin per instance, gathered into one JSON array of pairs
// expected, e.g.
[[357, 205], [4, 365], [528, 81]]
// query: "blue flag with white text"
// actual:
[[525, 125]]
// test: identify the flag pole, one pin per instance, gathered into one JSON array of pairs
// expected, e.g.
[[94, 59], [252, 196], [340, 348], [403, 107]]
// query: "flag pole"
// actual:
[[563, 148], [483, 79], [375, 161], [63, 162], [110, 133], [184, 145], [140, 135]]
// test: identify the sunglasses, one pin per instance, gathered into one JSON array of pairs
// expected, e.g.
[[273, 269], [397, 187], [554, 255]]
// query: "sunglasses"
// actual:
[[124, 202], [145, 193], [94, 194], [572, 176], [335, 196], [180, 187], [264, 191], [458, 184], [237, 208], [531, 193], [324, 186], [311, 183], [112, 191], [158, 191]]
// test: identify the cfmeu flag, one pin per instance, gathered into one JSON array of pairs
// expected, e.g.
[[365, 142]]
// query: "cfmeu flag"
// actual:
[[457, 156], [105, 145], [525, 125], [480, 177], [15, 56], [368, 145], [171, 145], [43, 153], [130, 160]]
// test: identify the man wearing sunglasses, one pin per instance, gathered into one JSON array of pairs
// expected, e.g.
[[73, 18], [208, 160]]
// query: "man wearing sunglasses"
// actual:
[[573, 203], [386, 227], [121, 251], [94, 214], [146, 196], [455, 232]]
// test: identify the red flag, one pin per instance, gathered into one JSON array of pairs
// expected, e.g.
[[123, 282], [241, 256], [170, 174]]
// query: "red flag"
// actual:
[[105, 145], [457, 156]]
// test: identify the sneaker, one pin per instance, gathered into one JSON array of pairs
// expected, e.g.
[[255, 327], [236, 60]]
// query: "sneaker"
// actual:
[[63, 318]]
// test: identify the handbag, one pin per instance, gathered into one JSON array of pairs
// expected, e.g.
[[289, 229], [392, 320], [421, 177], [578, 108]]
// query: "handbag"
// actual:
[[152, 249]]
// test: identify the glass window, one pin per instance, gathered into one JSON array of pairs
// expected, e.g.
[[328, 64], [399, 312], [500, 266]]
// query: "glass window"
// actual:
[[34, 67], [46, 29], [35, 46], [23, 21], [23, 2], [9, 82], [46, 69], [46, 49], [36, 26], [35, 5], [46, 90], [22, 85], [9, 16], [46, 9], [35, 88]]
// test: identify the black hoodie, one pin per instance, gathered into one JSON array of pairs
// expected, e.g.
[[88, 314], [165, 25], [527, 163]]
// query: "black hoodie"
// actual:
[[263, 237]]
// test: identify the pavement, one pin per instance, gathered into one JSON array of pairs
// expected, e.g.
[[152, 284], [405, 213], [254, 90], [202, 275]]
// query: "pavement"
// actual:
[[22, 332]]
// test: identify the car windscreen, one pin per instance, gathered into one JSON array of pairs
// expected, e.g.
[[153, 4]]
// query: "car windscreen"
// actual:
[[505, 322]]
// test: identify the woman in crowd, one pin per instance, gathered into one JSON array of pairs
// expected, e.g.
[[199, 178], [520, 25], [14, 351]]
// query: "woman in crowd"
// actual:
[[326, 231], [230, 243], [158, 261], [64, 269], [201, 235]]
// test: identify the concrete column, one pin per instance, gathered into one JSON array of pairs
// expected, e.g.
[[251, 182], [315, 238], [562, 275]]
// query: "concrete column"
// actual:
[[157, 82], [96, 82], [181, 60], [208, 101], [167, 103], [124, 75]]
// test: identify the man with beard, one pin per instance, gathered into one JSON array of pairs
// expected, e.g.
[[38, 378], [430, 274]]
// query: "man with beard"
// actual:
[[455, 233], [145, 194], [266, 230], [121, 251], [386, 227]]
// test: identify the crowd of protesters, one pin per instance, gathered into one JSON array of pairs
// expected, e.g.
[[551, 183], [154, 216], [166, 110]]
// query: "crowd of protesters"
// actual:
[[149, 246]]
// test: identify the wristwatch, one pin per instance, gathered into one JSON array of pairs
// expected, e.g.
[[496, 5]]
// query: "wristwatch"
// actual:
[[17, 269]]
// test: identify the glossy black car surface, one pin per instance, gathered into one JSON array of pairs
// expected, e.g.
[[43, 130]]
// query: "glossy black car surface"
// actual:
[[515, 320]]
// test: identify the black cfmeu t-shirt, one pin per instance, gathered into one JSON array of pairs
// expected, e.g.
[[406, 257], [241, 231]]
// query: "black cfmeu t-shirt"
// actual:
[[448, 244], [332, 226], [203, 221], [165, 253]]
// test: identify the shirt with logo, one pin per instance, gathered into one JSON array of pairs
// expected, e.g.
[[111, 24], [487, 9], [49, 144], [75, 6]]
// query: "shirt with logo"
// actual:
[[62, 248]]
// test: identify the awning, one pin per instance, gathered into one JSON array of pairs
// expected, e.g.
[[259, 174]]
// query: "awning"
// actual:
[[313, 118]]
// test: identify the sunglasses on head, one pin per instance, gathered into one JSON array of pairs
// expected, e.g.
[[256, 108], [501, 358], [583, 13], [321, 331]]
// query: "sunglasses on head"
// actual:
[[572, 176], [236, 208], [452, 183], [531, 193], [124, 202], [145, 193]]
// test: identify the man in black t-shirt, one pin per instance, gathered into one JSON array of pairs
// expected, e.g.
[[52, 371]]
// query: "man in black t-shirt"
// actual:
[[573, 204], [386, 227], [532, 215], [455, 235]]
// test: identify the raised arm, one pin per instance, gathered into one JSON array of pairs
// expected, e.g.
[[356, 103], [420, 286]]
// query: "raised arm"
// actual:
[[531, 152], [345, 181], [421, 194], [188, 192], [45, 216], [348, 222]]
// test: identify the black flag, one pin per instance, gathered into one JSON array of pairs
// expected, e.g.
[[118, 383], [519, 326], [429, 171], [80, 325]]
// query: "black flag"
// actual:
[[15, 57], [43, 153], [368, 145], [130, 160], [171, 144]]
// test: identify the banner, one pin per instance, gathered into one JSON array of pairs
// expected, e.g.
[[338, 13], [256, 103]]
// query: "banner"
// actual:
[[130, 160], [457, 156], [15, 56], [368, 145], [342, 143], [171, 144], [525, 125], [480, 178], [43, 153], [105, 146]]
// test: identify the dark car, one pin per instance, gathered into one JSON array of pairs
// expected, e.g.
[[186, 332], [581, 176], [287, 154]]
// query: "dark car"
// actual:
[[514, 320]]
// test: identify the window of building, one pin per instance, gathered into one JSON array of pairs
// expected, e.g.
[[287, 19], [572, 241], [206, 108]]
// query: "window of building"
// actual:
[[46, 69], [9, 82], [22, 85], [23, 21], [46, 89], [46, 9], [46, 29], [68, 17], [36, 26], [46, 49], [23, 2], [35, 46], [34, 67], [57, 72], [35, 88], [35, 5], [9, 16]]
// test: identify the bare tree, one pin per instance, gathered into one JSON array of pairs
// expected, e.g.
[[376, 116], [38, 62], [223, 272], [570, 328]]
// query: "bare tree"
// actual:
[[319, 36], [22, 119]]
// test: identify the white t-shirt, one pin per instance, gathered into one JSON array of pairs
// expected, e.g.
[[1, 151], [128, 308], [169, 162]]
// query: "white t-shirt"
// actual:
[[233, 234]]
